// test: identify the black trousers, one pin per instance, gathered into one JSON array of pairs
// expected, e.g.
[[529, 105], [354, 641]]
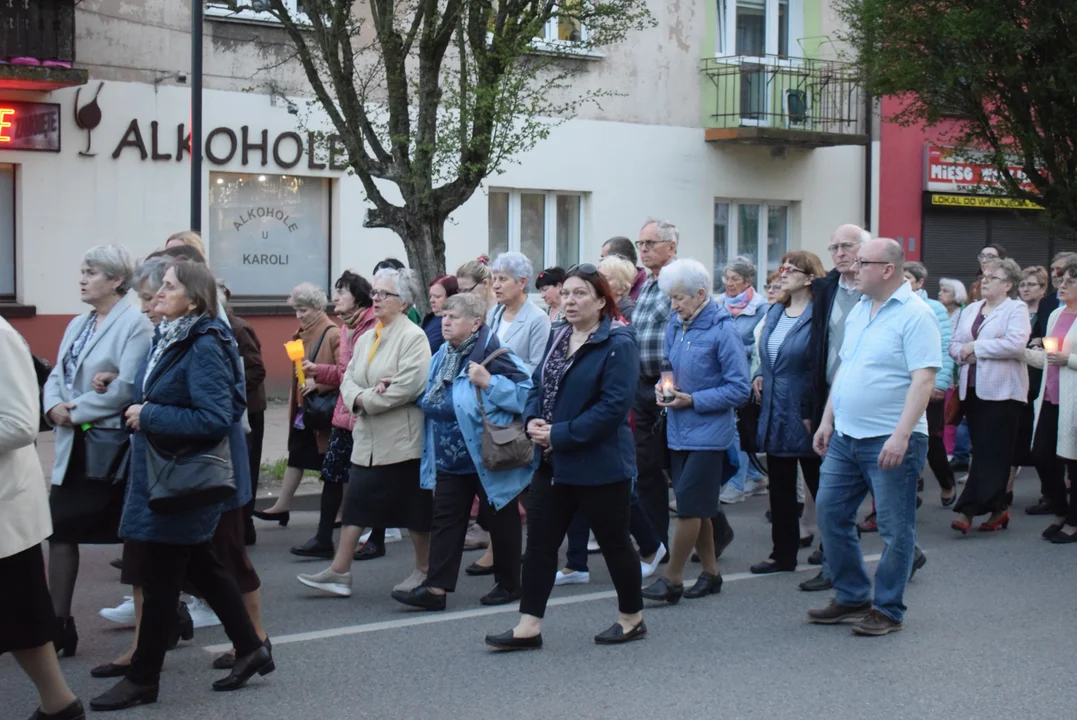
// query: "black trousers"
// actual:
[[1051, 468], [652, 486], [992, 430], [163, 571], [254, 455], [550, 509], [453, 498], [936, 448], [784, 508]]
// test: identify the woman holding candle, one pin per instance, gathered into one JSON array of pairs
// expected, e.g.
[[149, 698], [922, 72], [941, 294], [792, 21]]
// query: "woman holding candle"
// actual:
[[989, 345], [1031, 290], [709, 366], [1054, 447], [306, 446]]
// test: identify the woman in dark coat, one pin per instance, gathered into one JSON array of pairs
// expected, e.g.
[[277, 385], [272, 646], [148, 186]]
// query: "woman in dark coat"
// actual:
[[189, 391], [783, 377]]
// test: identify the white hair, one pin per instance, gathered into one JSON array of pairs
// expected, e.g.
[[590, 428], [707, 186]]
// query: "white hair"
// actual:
[[514, 264], [114, 261], [402, 278], [667, 232], [742, 266], [685, 275], [308, 295], [152, 273], [961, 296]]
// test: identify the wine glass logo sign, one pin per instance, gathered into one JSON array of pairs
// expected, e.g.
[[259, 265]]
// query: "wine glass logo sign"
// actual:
[[88, 117]]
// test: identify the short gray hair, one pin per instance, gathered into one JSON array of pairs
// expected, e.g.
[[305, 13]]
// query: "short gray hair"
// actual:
[[1067, 255], [402, 279], [742, 266], [468, 304], [916, 269], [667, 232], [961, 295], [308, 295], [152, 272], [514, 264], [114, 261], [1011, 270], [685, 275]]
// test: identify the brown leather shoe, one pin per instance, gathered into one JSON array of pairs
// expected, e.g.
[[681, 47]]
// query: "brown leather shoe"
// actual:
[[835, 613], [876, 623]]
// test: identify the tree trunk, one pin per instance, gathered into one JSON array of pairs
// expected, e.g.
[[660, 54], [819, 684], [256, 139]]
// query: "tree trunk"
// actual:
[[424, 241]]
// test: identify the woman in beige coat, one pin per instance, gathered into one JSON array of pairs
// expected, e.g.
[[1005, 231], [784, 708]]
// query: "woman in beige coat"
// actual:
[[386, 375], [27, 621]]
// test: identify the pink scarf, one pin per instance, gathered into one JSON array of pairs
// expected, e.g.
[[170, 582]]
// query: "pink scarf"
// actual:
[[736, 305]]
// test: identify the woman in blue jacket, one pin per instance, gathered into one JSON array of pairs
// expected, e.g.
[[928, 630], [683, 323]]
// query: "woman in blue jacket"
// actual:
[[451, 463], [577, 414], [783, 378], [190, 389], [710, 380]]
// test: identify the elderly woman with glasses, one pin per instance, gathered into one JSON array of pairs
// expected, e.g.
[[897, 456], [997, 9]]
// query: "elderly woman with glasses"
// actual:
[[112, 338], [385, 377], [474, 276], [306, 445], [709, 380], [989, 345]]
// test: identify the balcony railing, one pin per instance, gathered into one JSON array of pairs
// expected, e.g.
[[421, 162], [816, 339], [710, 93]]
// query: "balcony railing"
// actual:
[[37, 45], [785, 101]]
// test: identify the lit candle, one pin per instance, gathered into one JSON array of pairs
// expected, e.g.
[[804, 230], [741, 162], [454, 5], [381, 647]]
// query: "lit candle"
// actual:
[[1050, 344], [667, 387]]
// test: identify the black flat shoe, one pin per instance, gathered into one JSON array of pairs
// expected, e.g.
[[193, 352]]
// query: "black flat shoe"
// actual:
[[369, 551], [421, 597], [769, 566], [109, 670], [818, 583], [259, 662], [116, 563], [1061, 538], [506, 641], [947, 502], [314, 549], [1052, 530], [74, 711], [662, 591], [474, 569], [816, 558], [125, 694], [499, 596], [67, 637], [281, 517], [615, 634], [1043, 507], [184, 628], [706, 584], [227, 661], [807, 542]]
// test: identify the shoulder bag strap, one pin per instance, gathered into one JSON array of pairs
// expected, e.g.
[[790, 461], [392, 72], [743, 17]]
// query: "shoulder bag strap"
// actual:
[[318, 347], [478, 393]]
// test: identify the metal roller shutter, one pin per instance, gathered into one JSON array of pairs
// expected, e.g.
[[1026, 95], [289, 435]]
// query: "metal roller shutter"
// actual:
[[951, 241]]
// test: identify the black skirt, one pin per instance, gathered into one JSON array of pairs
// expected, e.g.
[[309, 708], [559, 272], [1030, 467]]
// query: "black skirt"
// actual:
[[697, 481], [134, 555], [85, 512], [303, 450], [338, 458], [388, 496], [1022, 449], [26, 617]]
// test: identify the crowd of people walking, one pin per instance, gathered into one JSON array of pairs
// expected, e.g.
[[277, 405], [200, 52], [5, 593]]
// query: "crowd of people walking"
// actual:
[[637, 376]]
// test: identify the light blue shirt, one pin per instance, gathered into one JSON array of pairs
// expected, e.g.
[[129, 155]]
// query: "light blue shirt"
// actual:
[[878, 357]]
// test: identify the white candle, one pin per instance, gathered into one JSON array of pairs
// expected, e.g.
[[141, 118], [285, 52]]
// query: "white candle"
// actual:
[[1050, 344]]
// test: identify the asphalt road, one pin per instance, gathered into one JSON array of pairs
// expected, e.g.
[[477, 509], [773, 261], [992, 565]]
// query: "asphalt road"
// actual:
[[989, 633]]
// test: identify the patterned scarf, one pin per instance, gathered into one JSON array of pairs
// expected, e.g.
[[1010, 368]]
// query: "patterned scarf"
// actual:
[[71, 360], [736, 305], [450, 366], [170, 333]]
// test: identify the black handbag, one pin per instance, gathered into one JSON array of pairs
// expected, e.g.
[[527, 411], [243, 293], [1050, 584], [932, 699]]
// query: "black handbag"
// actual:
[[195, 477], [318, 408], [107, 454], [658, 433]]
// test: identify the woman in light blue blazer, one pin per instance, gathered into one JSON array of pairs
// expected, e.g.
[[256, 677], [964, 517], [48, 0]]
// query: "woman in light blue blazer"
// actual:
[[113, 337], [518, 323]]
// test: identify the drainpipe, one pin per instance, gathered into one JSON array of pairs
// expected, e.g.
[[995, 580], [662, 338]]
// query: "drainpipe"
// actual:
[[196, 115]]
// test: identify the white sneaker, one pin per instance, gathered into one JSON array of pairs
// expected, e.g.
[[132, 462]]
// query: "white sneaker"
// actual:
[[124, 613], [648, 568], [364, 537], [393, 535], [592, 545], [201, 614], [731, 495], [411, 582], [572, 577], [329, 581], [756, 487]]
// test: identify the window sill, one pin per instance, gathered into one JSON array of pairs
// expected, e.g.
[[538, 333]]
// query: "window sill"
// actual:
[[561, 48], [219, 14], [256, 308], [10, 309]]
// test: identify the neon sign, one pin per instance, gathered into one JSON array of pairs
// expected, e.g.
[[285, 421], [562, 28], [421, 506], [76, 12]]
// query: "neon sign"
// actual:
[[29, 126]]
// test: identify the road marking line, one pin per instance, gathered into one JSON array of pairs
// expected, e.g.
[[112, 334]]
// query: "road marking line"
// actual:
[[431, 618]]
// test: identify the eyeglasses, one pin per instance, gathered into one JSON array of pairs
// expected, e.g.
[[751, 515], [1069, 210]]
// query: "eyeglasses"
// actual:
[[860, 263], [649, 244], [844, 247], [786, 269], [987, 256], [381, 295], [992, 277], [1029, 285], [1067, 281], [585, 268]]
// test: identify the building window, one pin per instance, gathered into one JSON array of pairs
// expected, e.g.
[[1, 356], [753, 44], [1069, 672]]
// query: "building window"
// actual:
[[268, 233], [759, 231], [7, 232], [254, 10], [757, 28], [544, 226]]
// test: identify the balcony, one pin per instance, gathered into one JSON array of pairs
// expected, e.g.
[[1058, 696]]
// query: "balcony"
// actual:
[[37, 45], [778, 101]]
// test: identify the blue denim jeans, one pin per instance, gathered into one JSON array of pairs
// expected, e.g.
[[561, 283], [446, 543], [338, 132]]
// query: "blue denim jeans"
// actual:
[[746, 471], [962, 443], [850, 471]]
